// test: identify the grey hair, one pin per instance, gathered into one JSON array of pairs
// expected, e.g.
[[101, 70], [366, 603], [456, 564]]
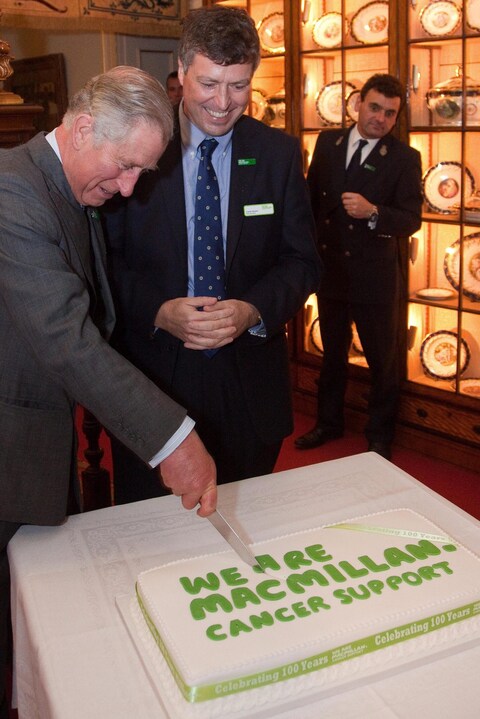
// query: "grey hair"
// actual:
[[120, 98]]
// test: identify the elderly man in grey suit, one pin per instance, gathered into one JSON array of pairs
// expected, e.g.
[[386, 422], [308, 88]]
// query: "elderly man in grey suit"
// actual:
[[56, 313]]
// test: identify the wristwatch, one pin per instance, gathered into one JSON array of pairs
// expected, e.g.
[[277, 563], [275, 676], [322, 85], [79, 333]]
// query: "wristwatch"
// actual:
[[373, 217]]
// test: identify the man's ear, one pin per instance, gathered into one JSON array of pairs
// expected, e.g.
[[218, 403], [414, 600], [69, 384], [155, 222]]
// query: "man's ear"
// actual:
[[82, 130], [181, 72]]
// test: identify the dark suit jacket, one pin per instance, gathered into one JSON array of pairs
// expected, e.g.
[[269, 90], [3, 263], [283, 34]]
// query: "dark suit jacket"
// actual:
[[52, 354], [271, 262], [363, 265]]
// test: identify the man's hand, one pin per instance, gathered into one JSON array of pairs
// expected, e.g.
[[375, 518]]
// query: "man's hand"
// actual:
[[217, 324], [191, 474], [357, 206]]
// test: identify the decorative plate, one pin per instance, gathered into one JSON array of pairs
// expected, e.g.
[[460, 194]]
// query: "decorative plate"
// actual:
[[440, 17], [370, 24], [473, 14], [327, 31], [438, 354], [272, 33], [315, 336], [470, 386], [329, 102], [442, 183], [259, 104], [471, 266], [351, 105], [435, 293]]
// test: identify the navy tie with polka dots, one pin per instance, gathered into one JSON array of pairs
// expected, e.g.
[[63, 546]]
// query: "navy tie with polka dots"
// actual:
[[209, 265]]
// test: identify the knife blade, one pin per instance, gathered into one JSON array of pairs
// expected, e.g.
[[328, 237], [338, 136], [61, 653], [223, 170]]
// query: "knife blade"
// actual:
[[230, 535]]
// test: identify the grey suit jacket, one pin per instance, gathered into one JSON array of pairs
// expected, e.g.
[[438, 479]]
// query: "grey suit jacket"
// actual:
[[52, 354]]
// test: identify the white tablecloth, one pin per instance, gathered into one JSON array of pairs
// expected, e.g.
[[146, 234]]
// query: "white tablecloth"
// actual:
[[75, 660]]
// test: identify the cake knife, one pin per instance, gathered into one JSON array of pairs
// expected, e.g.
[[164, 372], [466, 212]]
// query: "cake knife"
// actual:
[[231, 536]]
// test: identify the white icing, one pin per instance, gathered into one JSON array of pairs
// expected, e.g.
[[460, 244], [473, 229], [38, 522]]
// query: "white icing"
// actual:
[[202, 661]]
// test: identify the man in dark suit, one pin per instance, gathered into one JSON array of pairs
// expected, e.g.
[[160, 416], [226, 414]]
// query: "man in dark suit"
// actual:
[[240, 396], [56, 313], [364, 212]]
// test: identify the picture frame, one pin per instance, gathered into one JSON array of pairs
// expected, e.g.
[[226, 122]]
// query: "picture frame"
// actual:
[[41, 81]]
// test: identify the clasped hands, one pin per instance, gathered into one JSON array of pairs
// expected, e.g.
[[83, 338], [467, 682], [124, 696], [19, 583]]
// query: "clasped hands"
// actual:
[[217, 324], [357, 206]]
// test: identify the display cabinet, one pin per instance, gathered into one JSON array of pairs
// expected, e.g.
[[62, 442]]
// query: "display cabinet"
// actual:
[[330, 48]]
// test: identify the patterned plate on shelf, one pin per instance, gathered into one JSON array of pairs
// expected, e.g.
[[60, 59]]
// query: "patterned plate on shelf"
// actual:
[[259, 104], [470, 386], [315, 336], [442, 183], [327, 31], [472, 10], [271, 32], [370, 24], [329, 101], [351, 105], [438, 354], [440, 17], [471, 266], [435, 293]]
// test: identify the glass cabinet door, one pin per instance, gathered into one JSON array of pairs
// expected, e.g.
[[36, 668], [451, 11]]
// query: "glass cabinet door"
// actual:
[[342, 43], [444, 125]]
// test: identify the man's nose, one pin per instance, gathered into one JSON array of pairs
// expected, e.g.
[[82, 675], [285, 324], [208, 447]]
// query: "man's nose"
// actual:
[[126, 182]]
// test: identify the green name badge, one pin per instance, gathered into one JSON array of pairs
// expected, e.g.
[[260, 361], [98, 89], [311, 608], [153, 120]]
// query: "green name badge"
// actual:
[[247, 161], [265, 208]]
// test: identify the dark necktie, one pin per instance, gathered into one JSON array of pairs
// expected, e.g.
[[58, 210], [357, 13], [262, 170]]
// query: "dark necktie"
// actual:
[[355, 161], [209, 265]]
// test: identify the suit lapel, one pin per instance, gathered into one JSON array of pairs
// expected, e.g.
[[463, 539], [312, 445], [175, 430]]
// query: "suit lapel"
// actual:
[[173, 194], [375, 165], [246, 158]]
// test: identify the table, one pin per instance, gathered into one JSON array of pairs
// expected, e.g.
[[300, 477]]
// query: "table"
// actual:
[[73, 656]]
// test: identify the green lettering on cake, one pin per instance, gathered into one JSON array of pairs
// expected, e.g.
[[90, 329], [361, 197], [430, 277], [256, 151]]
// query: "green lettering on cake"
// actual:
[[412, 578], [393, 582], [200, 606], [300, 609], [371, 565], [334, 572], [237, 627], [297, 582], [243, 596], [375, 586], [282, 615], [212, 633], [265, 590], [343, 596], [443, 565], [211, 582], [318, 553], [316, 603], [423, 549], [264, 619], [266, 561], [428, 573], [395, 557], [351, 571], [296, 559], [232, 577], [360, 592]]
